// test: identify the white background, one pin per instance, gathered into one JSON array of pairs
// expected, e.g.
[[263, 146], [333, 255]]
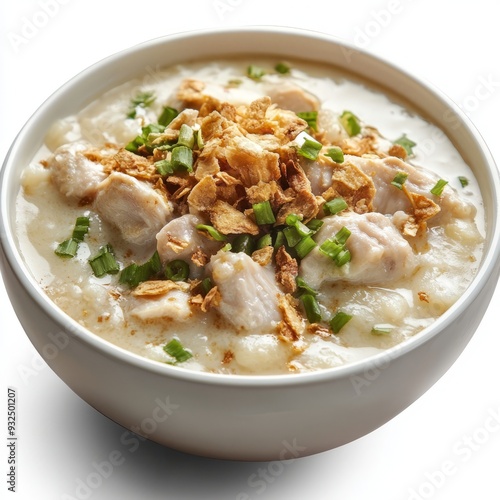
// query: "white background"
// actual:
[[441, 447]]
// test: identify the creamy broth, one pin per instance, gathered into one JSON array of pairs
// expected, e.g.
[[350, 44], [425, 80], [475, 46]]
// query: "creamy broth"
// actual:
[[427, 262]]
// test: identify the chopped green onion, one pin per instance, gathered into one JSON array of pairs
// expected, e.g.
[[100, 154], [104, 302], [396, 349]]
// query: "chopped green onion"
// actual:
[[67, 249], [350, 123], [263, 213], [182, 158], [336, 154], [311, 307], [292, 236], [311, 117], [198, 139], [406, 143], [335, 206], [279, 240], [134, 273], [243, 243], [186, 136], [342, 235], [334, 247], [438, 188], [310, 149], [304, 287], [264, 241], [207, 285], [227, 247], [142, 99], [399, 179], [104, 262], [343, 257], [382, 329], [339, 321], [282, 68], [295, 221], [167, 115], [177, 270], [164, 167], [211, 231], [81, 228], [175, 349], [464, 182], [315, 225], [330, 248], [143, 139], [255, 72], [304, 246]]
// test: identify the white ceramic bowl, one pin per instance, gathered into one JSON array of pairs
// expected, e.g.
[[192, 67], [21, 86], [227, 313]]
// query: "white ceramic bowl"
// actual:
[[245, 417]]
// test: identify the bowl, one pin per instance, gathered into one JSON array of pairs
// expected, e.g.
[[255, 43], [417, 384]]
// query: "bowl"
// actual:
[[259, 417]]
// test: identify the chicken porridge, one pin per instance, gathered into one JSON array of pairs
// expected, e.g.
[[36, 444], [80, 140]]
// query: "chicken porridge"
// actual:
[[250, 218]]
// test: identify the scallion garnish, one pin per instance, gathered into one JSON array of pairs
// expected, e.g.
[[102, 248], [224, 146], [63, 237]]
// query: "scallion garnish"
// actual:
[[263, 213], [406, 143], [296, 221], [336, 154], [438, 187], [164, 167], [304, 287], [310, 149], [464, 182], [143, 100], [334, 206], [315, 225], [292, 236], [311, 117], [67, 249], [304, 246], [264, 241], [177, 270], [143, 139], [243, 243], [167, 115], [212, 232], [350, 123], [311, 307], [186, 136], [104, 262], [399, 179], [134, 273], [279, 240], [282, 68], [382, 329], [339, 321], [182, 158], [335, 249], [255, 72], [207, 285], [175, 349]]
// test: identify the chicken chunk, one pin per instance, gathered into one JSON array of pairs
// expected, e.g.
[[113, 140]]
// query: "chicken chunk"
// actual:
[[292, 97], [75, 175], [249, 294], [379, 254], [174, 305], [389, 200], [136, 209], [179, 239]]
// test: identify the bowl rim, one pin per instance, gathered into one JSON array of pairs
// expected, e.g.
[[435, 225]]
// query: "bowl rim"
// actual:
[[71, 327]]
